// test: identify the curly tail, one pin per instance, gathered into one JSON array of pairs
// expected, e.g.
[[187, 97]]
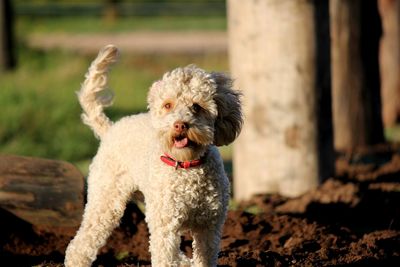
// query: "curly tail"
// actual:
[[94, 94]]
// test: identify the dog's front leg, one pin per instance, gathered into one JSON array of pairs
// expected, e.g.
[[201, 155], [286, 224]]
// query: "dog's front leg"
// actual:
[[206, 246], [164, 239], [164, 248]]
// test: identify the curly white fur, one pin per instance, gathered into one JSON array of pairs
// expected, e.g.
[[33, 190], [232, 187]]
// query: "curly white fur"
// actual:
[[92, 95], [191, 111]]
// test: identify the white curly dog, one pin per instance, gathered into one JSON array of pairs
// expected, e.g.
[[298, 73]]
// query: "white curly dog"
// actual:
[[169, 154]]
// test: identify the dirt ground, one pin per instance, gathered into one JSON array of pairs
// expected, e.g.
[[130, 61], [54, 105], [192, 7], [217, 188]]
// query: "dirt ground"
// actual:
[[350, 220]]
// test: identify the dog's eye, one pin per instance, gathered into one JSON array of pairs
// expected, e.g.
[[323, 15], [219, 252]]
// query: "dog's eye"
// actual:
[[167, 106], [196, 108]]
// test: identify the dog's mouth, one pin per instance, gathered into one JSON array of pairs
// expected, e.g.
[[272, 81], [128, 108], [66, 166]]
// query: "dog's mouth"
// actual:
[[183, 146], [181, 141]]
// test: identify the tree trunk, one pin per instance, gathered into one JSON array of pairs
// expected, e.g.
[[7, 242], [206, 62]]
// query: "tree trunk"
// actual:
[[355, 29], [111, 11], [273, 56], [7, 59], [42, 192], [390, 60], [326, 155]]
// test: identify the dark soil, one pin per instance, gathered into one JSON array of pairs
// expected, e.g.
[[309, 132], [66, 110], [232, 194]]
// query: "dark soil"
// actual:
[[350, 220]]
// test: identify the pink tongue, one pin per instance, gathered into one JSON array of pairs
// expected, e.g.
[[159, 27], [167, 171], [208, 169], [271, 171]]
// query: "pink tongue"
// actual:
[[181, 143]]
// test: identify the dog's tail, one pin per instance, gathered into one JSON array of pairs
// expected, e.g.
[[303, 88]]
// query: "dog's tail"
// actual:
[[94, 94]]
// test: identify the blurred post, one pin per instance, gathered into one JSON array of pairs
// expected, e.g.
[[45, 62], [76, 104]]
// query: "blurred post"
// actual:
[[356, 30], [111, 11], [7, 58], [390, 60], [274, 53]]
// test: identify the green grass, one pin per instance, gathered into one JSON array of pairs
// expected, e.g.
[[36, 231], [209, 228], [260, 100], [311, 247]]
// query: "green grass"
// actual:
[[393, 133], [41, 116], [26, 25], [39, 110]]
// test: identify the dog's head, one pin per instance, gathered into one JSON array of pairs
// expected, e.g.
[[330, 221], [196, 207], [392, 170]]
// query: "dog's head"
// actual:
[[192, 109]]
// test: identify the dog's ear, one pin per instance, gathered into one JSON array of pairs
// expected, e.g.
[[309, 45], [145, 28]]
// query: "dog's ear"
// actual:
[[229, 120]]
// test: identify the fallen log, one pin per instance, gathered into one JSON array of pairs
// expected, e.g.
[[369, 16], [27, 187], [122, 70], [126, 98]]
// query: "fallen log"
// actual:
[[41, 191]]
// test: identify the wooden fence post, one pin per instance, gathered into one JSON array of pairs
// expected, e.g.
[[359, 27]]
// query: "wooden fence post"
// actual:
[[274, 50], [7, 57]]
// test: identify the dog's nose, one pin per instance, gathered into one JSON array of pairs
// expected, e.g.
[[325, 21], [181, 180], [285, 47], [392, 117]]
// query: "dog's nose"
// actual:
[[180, 126]]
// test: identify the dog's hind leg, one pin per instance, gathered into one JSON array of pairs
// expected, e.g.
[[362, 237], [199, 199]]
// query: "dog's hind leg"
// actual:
[[105, 207]]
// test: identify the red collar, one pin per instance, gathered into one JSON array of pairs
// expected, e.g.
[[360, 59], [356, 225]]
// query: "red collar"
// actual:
[[167, 159]]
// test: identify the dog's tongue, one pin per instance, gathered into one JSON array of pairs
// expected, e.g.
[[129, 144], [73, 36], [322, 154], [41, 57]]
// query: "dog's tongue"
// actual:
[[181, 143]]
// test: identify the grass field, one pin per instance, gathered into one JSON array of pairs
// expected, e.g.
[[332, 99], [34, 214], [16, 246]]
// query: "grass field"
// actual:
[[126, 24], [40, 113]]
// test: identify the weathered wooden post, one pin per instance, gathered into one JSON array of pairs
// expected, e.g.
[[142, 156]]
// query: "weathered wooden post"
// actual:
[[110, 10], [390, 60], [7, 57], [356, 31], [274, 50]]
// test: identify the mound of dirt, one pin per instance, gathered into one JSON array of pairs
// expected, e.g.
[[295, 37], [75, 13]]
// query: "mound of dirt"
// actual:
[[350, 220]]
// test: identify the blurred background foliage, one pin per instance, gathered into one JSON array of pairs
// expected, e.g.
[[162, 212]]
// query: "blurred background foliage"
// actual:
[[40, 114]]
